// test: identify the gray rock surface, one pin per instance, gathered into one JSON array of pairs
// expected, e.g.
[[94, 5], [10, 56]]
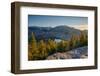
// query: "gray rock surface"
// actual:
[[78, 53]]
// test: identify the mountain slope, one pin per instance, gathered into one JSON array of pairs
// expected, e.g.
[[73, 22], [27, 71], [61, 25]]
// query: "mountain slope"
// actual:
[[59, 32]]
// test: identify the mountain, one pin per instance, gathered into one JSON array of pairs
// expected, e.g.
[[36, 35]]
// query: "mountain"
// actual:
[[58, 32], [64, 32]]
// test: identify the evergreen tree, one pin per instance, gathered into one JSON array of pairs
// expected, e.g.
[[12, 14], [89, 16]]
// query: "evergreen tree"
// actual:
[[67, 48], [61, 46], [77, 41], [53, 46], [83, 39], [33, 50], [42, 49], [72, 42]]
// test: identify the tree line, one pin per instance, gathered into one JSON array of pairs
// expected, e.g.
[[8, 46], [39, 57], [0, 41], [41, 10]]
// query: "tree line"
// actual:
[[39, 50]]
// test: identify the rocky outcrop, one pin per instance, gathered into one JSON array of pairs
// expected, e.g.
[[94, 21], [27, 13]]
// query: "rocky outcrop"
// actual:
[[78, 53]]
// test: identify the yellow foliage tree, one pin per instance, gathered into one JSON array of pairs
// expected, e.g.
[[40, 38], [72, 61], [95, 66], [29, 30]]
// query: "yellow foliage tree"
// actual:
[[52, 46], [33, 50], [67, 45], [42, 49], [73, 42], [83, 39]]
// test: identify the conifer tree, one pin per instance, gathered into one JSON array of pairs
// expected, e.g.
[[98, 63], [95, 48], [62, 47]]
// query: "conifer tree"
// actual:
[[42, 49], [83, 39], [33, 50], [61, 46], [67, 48], [53, 46]]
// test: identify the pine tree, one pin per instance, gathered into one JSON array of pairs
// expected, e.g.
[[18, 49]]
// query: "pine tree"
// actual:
[[61, 46], [67, 48], [48, 48], [71, 42], [77, 41], [33, 50], [53, 46], [74, 42], [83, 39], [42, 49]]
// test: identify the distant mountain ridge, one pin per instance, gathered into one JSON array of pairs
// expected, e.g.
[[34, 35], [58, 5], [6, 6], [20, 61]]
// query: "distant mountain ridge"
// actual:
[[59, 32]]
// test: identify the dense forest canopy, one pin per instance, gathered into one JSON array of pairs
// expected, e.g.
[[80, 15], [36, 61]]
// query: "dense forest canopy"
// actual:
[[40, 49]]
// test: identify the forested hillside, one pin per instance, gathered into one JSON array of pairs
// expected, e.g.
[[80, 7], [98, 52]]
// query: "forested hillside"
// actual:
[[42, 48]]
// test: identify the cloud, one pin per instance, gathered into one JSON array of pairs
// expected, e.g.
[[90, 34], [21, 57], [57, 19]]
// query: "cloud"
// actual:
[[80, 27]]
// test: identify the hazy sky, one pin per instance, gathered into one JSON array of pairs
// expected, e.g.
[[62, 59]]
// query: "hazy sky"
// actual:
[[52, 21]]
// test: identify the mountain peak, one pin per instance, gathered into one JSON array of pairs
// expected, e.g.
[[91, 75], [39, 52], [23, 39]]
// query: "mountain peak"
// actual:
[[62, 26], [62, 32]]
